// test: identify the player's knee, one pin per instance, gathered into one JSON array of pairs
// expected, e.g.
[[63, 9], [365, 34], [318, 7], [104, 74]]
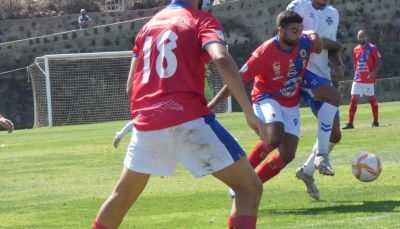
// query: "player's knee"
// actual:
[[253, 191], [257, 189]]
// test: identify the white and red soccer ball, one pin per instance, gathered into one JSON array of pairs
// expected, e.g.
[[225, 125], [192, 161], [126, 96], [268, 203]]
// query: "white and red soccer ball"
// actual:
[[366, 167]]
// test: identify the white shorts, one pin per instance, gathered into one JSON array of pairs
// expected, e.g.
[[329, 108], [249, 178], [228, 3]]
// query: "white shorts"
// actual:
[[202, 145], [270, 110], [367, 89]]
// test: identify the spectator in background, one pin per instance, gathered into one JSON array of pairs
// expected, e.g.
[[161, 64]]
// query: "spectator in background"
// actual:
[[6, 124], [83, 20]]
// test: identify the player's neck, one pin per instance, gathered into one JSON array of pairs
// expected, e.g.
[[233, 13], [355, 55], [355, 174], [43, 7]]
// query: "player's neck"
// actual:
[[283, 46], [318, 6], [364, 45]]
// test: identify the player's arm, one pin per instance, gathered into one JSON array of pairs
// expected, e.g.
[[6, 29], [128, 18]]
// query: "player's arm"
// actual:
[[378, 64], [335, 60], [129, 83], [354, 61], [317, 44], [332, 46], [219, 97], [248, 71], [230, 74]]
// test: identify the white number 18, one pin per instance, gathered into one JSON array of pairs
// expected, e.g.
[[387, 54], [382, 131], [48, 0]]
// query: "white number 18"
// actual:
[[165, 52]]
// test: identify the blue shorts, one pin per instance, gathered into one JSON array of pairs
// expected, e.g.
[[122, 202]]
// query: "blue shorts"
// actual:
[[312, 81]]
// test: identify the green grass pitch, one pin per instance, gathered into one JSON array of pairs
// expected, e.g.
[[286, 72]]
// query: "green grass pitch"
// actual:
[[58, 178]]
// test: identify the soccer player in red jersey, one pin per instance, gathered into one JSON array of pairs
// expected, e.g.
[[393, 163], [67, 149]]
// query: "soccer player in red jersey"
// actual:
[[367, 62], [171, 120], [277, 68]]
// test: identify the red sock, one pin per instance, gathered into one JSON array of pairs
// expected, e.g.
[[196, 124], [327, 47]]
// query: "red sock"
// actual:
[[97, 225], [374, 106], [270, 168], [352, 109], [242, 222], [259, 152]]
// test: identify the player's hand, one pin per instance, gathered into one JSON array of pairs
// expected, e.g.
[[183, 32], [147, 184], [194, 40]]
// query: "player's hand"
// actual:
[[372, 75], [116, 141], [257, 125], [7, 124]]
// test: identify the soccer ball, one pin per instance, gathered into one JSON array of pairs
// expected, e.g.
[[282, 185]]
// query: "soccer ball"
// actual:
[[366, 167]]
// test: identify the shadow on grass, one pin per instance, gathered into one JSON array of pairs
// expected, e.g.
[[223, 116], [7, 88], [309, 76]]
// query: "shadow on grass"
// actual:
[[342, 207]]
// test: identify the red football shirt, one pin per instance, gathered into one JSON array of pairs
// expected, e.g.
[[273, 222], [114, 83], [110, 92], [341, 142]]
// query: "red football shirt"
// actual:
[[278, 74], [169, 80], [364, 62]]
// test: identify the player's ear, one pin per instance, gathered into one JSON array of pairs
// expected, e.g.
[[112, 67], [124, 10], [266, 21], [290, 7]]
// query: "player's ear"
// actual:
[[280, 29]]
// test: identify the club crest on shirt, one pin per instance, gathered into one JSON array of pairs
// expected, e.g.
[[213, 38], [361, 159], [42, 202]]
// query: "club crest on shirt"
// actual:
[[312, 15], [303, 53], [329, 20]]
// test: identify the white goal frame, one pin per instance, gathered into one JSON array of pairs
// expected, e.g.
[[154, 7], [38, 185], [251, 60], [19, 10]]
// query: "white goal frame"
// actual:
[[41, 71]]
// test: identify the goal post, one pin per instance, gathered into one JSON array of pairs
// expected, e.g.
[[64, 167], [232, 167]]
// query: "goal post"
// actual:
[[85, 88]]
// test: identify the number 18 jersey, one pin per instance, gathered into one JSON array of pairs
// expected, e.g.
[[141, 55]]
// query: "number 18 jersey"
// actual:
[[169, 80]]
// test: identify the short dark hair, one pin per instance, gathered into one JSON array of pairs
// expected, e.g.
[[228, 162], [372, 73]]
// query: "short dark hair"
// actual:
[[288, 17]]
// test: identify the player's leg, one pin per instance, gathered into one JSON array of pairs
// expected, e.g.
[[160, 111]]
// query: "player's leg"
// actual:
[[131, 184], [206, 147], [248, 190], [374, 107], [275, 137], [278, 161], [306, 172], [139, 163], [289, 130], [369, 91], [259, 152], [330, 96], [321, 89], [120, 134], [269, 111], [356, 92]]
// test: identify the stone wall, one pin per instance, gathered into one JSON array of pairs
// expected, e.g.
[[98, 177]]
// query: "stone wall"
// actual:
[[247, 24], [20, 29]]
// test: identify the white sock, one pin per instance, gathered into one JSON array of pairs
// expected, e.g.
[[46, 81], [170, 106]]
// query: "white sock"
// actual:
[[325, 120], [331, 145], [126, 129], [309, 166]]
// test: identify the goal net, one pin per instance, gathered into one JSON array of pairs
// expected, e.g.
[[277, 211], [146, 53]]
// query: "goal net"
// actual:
[[84, 88]]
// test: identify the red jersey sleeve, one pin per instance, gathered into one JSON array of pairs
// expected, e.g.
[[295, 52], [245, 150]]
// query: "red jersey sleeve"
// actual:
[[376, 54], [210, 31], [253, 66]]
